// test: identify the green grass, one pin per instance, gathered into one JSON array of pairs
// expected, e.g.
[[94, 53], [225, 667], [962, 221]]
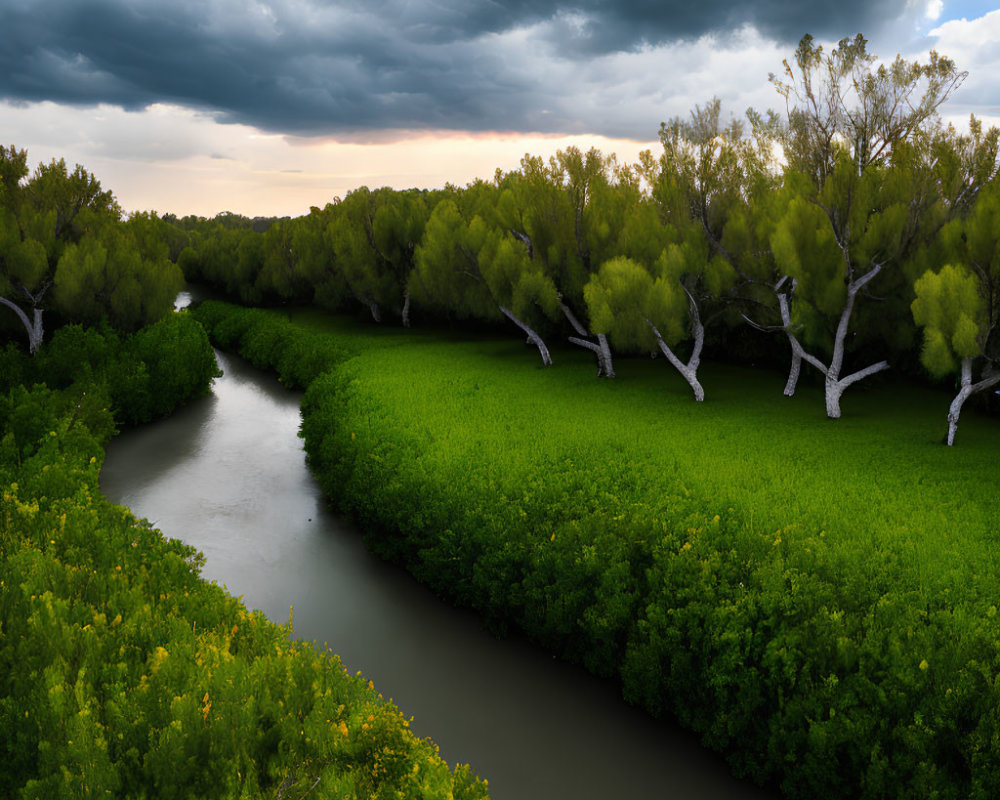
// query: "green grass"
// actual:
[[876, 479]]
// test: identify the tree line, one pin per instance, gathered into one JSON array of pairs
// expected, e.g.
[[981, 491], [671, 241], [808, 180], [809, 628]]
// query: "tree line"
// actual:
[[842, 226]]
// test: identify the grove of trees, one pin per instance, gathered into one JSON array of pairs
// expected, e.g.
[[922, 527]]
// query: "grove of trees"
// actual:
[[822, 224], [842, 225]]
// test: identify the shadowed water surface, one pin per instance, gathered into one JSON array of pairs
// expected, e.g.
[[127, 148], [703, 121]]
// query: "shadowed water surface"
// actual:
[[227, 474]]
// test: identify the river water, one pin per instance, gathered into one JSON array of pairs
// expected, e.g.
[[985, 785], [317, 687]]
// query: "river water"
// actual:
[[227, 474]]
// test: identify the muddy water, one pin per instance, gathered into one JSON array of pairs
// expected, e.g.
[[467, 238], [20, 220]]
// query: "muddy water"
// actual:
[[227, 475]]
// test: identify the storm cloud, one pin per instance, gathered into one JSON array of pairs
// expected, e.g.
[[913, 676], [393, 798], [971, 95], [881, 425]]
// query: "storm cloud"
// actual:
[[351, 68]]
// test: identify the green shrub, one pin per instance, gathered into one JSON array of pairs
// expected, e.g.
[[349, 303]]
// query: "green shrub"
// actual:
[[178, 365], [268, 340]]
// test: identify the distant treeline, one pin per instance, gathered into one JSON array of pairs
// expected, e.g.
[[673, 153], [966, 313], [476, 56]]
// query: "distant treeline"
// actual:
[[829, 236]]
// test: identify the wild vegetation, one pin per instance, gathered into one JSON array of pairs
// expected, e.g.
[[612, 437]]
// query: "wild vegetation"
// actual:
[[124, 672], [817, 601]]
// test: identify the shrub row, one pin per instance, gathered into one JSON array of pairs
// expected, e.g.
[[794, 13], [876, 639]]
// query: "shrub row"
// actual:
[[142, 377], [122, 671], [828, 674], [269, 341]]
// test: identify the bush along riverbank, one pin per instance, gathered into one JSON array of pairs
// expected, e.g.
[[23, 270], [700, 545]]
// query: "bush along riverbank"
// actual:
[[122, 671], [816, 601]]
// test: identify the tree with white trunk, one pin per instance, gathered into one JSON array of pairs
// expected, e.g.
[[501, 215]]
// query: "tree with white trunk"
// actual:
[[472, 269], [550, 208], [685, 245], [648, 307], [63, 242], [858, 185], [958, 306], [374, 236]]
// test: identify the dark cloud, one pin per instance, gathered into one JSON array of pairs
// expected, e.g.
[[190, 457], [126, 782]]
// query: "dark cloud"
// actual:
[[329, 67]]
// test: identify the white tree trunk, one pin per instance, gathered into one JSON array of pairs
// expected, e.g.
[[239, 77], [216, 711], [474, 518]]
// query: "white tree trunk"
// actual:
[[844, 324], [405, 313], [689, 371], [605, 367], [955, 409], [834, 389], [577, 326], [533, 337], [374, 309], [968, 388], [689, 374], [605, 356], [835, 385], [32, 326], [794, 371]]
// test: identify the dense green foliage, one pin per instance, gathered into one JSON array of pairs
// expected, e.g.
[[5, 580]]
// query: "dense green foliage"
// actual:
[[142, 376], [817, 601], [958, 305], [811, 228], [269, 340], [123, 672], [60, 230]]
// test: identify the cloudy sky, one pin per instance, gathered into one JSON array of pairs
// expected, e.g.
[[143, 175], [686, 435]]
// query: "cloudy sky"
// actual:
[[268, 107]]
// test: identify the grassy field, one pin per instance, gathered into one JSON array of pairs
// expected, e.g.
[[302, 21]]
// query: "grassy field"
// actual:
[[816, 598], [876, 480]]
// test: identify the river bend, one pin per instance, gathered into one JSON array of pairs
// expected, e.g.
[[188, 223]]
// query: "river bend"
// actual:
[[227, 474]]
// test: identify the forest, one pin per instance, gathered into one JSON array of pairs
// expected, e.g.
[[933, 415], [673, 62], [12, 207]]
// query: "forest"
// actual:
[[857, 230], [853, 238]]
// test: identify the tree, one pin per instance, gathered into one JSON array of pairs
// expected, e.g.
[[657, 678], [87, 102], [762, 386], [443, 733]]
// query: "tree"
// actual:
[[632, 304], [959, 305], [39, 219], [227, 255], [549, 208], [293, 256], [475, 269], [374, 235], [24, 268], [398, 228], [109, 274], [673, 269], [859, 181], [701, 186]]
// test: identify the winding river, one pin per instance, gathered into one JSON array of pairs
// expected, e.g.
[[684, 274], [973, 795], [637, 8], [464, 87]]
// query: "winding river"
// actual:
[[227, 474]]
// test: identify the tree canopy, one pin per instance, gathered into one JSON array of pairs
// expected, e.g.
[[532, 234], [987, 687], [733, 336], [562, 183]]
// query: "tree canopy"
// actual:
[[60, 231]]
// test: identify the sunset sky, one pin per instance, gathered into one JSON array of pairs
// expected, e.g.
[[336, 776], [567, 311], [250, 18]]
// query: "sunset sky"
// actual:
[[268, 108]]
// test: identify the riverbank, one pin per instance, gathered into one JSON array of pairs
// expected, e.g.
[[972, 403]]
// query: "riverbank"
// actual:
[[125, 673], [228, 473], [815, 598]]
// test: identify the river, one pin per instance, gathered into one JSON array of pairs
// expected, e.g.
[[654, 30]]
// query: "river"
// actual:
[[227, 474]]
